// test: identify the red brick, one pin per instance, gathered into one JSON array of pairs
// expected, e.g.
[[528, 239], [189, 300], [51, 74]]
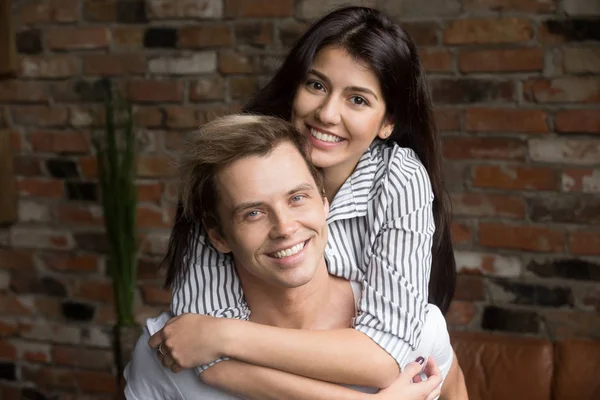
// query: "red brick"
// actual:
[[88, 166], [105, 315], [253, 33], [422, 33], [40, 11], [11, 304], [82, 358], [78, 214], [13, 259], [12, 91], [63, 262], [482, 31], [184, 9], [100, 10], [17, 142], [231, 62], [195, 37], [469, 288], [154, 166], [60, 142], [40, 187], [580, 121], [435, 60], [151, 91], [219, 110], [149, 191], [50, 66], [152, 217], [484, 148], [96, 382], [462, 233], [461, 313], [536, 6], [488, 205], [505, 120], [184, 117], [8, 328], [101, 291], [175, 140], [77, 38], [49, 307], [520, 237], [39, 116], [584, 243], [242, 87], [208, 88], [259, 8], [505, 60], [563, 90], [50, 377], [515, 177], [128, 37], [149, 117], [114, 64], [156, 295], [7, 350], [448, 119], [585, 180], [572, 324], [582, 60]]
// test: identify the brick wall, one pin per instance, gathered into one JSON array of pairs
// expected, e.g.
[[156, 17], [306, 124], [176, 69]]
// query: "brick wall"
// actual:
[[517, 89]]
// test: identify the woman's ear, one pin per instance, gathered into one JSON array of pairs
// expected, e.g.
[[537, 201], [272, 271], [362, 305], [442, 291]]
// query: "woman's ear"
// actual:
[[386, 129], [218, 241]]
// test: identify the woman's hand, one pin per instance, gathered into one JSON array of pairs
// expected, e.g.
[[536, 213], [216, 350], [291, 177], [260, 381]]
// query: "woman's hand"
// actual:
[[189, 340], [409, 385]]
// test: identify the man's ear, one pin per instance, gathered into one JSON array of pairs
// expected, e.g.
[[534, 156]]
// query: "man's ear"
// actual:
[[326, 205], [218, 241], [386, 129]]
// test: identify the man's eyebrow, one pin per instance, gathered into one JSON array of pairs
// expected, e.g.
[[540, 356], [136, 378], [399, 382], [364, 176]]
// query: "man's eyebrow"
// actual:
[[245, 206], [301, 187], [350, 88]]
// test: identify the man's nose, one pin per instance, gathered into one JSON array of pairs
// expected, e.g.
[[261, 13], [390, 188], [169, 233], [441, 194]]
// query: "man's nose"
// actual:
[[284, 224], [329, 111]]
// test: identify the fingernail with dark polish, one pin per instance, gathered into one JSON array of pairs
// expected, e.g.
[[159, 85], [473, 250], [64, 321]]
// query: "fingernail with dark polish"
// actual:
[[420, 360]]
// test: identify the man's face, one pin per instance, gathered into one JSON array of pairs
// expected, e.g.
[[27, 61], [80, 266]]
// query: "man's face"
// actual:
[[273, 217]]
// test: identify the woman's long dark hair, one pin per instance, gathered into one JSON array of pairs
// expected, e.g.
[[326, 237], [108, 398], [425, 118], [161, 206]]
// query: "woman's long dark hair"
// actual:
[[370, 37]]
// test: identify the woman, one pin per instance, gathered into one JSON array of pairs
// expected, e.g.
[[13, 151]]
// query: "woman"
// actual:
[[355, 86]]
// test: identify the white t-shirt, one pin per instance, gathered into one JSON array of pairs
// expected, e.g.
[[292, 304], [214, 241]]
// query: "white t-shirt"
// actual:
[[147, 379]]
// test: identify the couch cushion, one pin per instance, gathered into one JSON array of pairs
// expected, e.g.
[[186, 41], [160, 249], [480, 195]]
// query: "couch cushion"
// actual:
[[576, 370], [504, 367]]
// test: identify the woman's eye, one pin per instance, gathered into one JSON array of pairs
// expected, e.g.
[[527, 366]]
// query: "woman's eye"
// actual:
[[359, 101], [315, 85]]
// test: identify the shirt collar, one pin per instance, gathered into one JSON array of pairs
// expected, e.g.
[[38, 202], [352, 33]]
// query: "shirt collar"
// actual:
[[352, 198]]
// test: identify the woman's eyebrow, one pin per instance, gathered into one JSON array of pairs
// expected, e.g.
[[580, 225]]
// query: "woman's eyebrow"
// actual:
[[349, 88]]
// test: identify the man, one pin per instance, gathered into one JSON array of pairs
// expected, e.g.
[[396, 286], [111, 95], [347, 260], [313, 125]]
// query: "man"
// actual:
[[262, 201]]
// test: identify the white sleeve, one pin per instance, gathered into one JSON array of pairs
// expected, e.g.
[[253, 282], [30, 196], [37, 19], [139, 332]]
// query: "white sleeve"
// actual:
[[435, 341], [146, 377]]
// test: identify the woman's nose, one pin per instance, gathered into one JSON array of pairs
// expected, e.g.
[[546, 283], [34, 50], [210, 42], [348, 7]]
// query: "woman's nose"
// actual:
[[329, 111]]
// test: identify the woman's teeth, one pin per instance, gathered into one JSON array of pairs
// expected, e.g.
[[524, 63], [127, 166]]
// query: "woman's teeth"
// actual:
[[288, 252], [325, 137]]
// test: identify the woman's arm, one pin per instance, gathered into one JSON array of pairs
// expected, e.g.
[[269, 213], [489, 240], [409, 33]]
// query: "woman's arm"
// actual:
[[255, 382], [340, 356]]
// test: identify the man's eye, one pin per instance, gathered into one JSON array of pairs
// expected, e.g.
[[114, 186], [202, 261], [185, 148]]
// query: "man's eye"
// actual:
[[298, 197], [252, 214]]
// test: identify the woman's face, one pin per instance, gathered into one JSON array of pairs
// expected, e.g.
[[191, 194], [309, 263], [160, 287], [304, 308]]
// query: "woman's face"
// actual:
[[341, 109]]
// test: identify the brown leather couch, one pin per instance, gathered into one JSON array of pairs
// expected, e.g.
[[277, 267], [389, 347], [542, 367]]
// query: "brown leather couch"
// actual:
[[506, 367]]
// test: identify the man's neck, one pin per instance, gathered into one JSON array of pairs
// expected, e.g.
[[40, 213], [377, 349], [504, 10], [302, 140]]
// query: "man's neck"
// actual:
[[326, 302]]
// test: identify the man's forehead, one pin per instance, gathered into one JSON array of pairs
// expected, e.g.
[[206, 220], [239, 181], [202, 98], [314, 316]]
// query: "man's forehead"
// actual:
[[278, 172]]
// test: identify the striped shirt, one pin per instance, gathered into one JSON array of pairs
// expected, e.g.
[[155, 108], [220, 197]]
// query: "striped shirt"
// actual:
[[380, 233]]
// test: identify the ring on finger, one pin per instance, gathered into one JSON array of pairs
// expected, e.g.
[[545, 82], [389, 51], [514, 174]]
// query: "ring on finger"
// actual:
[[160, 349]]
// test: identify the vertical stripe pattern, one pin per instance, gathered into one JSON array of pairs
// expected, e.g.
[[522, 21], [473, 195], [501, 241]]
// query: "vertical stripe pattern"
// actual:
[[380, 233]]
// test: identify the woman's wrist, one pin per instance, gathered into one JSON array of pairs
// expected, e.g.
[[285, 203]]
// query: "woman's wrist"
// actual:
[[228, 331]]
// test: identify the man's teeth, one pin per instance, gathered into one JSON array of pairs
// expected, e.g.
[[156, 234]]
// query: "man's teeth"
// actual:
[[325, 137], [289, 252]]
